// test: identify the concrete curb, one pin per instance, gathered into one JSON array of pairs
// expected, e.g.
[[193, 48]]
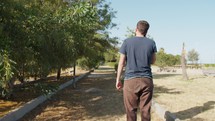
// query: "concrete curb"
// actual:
[[162, 113], [18, 113]]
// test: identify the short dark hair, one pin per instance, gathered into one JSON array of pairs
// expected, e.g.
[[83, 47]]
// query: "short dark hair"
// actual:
[[142, 27]]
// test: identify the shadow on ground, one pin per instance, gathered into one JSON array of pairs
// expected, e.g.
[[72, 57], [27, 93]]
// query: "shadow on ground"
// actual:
[[162, 76], [159, 90], [22, 93], [104, 69], [191, 112], [78, 104]]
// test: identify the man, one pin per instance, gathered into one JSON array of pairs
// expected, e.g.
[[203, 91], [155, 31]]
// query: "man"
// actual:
[[137, 53]]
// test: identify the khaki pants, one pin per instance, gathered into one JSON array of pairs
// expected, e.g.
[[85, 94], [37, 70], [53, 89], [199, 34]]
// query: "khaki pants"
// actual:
[[138, 92]]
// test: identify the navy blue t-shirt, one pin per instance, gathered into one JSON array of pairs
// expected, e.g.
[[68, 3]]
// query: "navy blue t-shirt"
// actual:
[[138, 52]]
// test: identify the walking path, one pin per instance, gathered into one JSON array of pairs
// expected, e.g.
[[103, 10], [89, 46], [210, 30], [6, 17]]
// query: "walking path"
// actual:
[[94, 99]]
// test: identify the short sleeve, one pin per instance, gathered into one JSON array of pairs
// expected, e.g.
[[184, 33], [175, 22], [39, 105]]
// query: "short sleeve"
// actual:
[[154, 48], [122, 50]]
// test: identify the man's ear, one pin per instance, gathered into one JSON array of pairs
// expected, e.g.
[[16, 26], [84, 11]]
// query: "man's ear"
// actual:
[[136, 31]]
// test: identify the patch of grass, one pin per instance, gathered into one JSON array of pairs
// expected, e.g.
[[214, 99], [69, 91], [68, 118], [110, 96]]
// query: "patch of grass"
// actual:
[[111, 64]]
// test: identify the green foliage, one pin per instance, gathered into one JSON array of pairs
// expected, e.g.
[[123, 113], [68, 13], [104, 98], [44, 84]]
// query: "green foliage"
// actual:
[[42, 36], [130, 32], [209, 65], [111, 55], [88, 63], [111, 64], [116, 66], [193, 56], [6, 74], [44, 88], [163, 59]]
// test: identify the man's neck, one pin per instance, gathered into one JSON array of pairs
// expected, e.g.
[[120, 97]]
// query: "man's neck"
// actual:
[[140, 35]]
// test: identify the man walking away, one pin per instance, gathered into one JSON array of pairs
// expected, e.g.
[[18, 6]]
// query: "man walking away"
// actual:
[[137, 53]]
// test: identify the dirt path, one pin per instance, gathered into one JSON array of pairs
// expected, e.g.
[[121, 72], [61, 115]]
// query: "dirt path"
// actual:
[[94, 99]]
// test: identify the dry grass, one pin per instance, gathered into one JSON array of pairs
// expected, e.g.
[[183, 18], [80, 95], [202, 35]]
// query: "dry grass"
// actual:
[[191, 100]]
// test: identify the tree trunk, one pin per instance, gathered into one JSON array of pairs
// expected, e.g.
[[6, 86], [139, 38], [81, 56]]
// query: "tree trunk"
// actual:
[[21, 75], [58, 73], [74, 70], [183, 64], [35, 77]]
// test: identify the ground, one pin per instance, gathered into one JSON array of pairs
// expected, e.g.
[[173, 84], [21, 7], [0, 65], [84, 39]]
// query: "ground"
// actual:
[[189, 100], [94, 99], [24, 93]]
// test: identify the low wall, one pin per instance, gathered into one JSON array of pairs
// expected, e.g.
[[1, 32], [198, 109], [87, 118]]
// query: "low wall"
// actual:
[[162, 113]]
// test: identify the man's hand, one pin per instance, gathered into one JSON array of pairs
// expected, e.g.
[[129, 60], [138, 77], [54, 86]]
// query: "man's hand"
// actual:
[[119, 85]]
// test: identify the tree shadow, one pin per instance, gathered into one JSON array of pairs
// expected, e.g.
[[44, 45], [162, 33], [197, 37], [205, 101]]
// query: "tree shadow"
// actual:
[[191, 112], [27, 92], [80, 104], [160, 76], [200, 77], [21, 91], [104, 69], [105, 102], [158, 90]]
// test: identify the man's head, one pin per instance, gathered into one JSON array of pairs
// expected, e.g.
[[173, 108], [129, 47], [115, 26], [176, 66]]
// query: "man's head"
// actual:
[[142, 27]]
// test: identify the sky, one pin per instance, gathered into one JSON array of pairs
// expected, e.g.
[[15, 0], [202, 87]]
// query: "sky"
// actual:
[[172, 22]]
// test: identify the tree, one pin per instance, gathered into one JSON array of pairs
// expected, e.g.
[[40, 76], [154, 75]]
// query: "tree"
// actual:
[[112, 52], [163, 59], [183, 63], [47, 36], [130, 32], [193, 56]]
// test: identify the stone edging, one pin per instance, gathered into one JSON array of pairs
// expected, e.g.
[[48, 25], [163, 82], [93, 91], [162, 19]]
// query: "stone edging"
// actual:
[[162, 113], [21, 111]]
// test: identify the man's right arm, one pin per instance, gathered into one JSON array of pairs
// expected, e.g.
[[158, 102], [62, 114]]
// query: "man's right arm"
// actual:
[[119, 71]]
